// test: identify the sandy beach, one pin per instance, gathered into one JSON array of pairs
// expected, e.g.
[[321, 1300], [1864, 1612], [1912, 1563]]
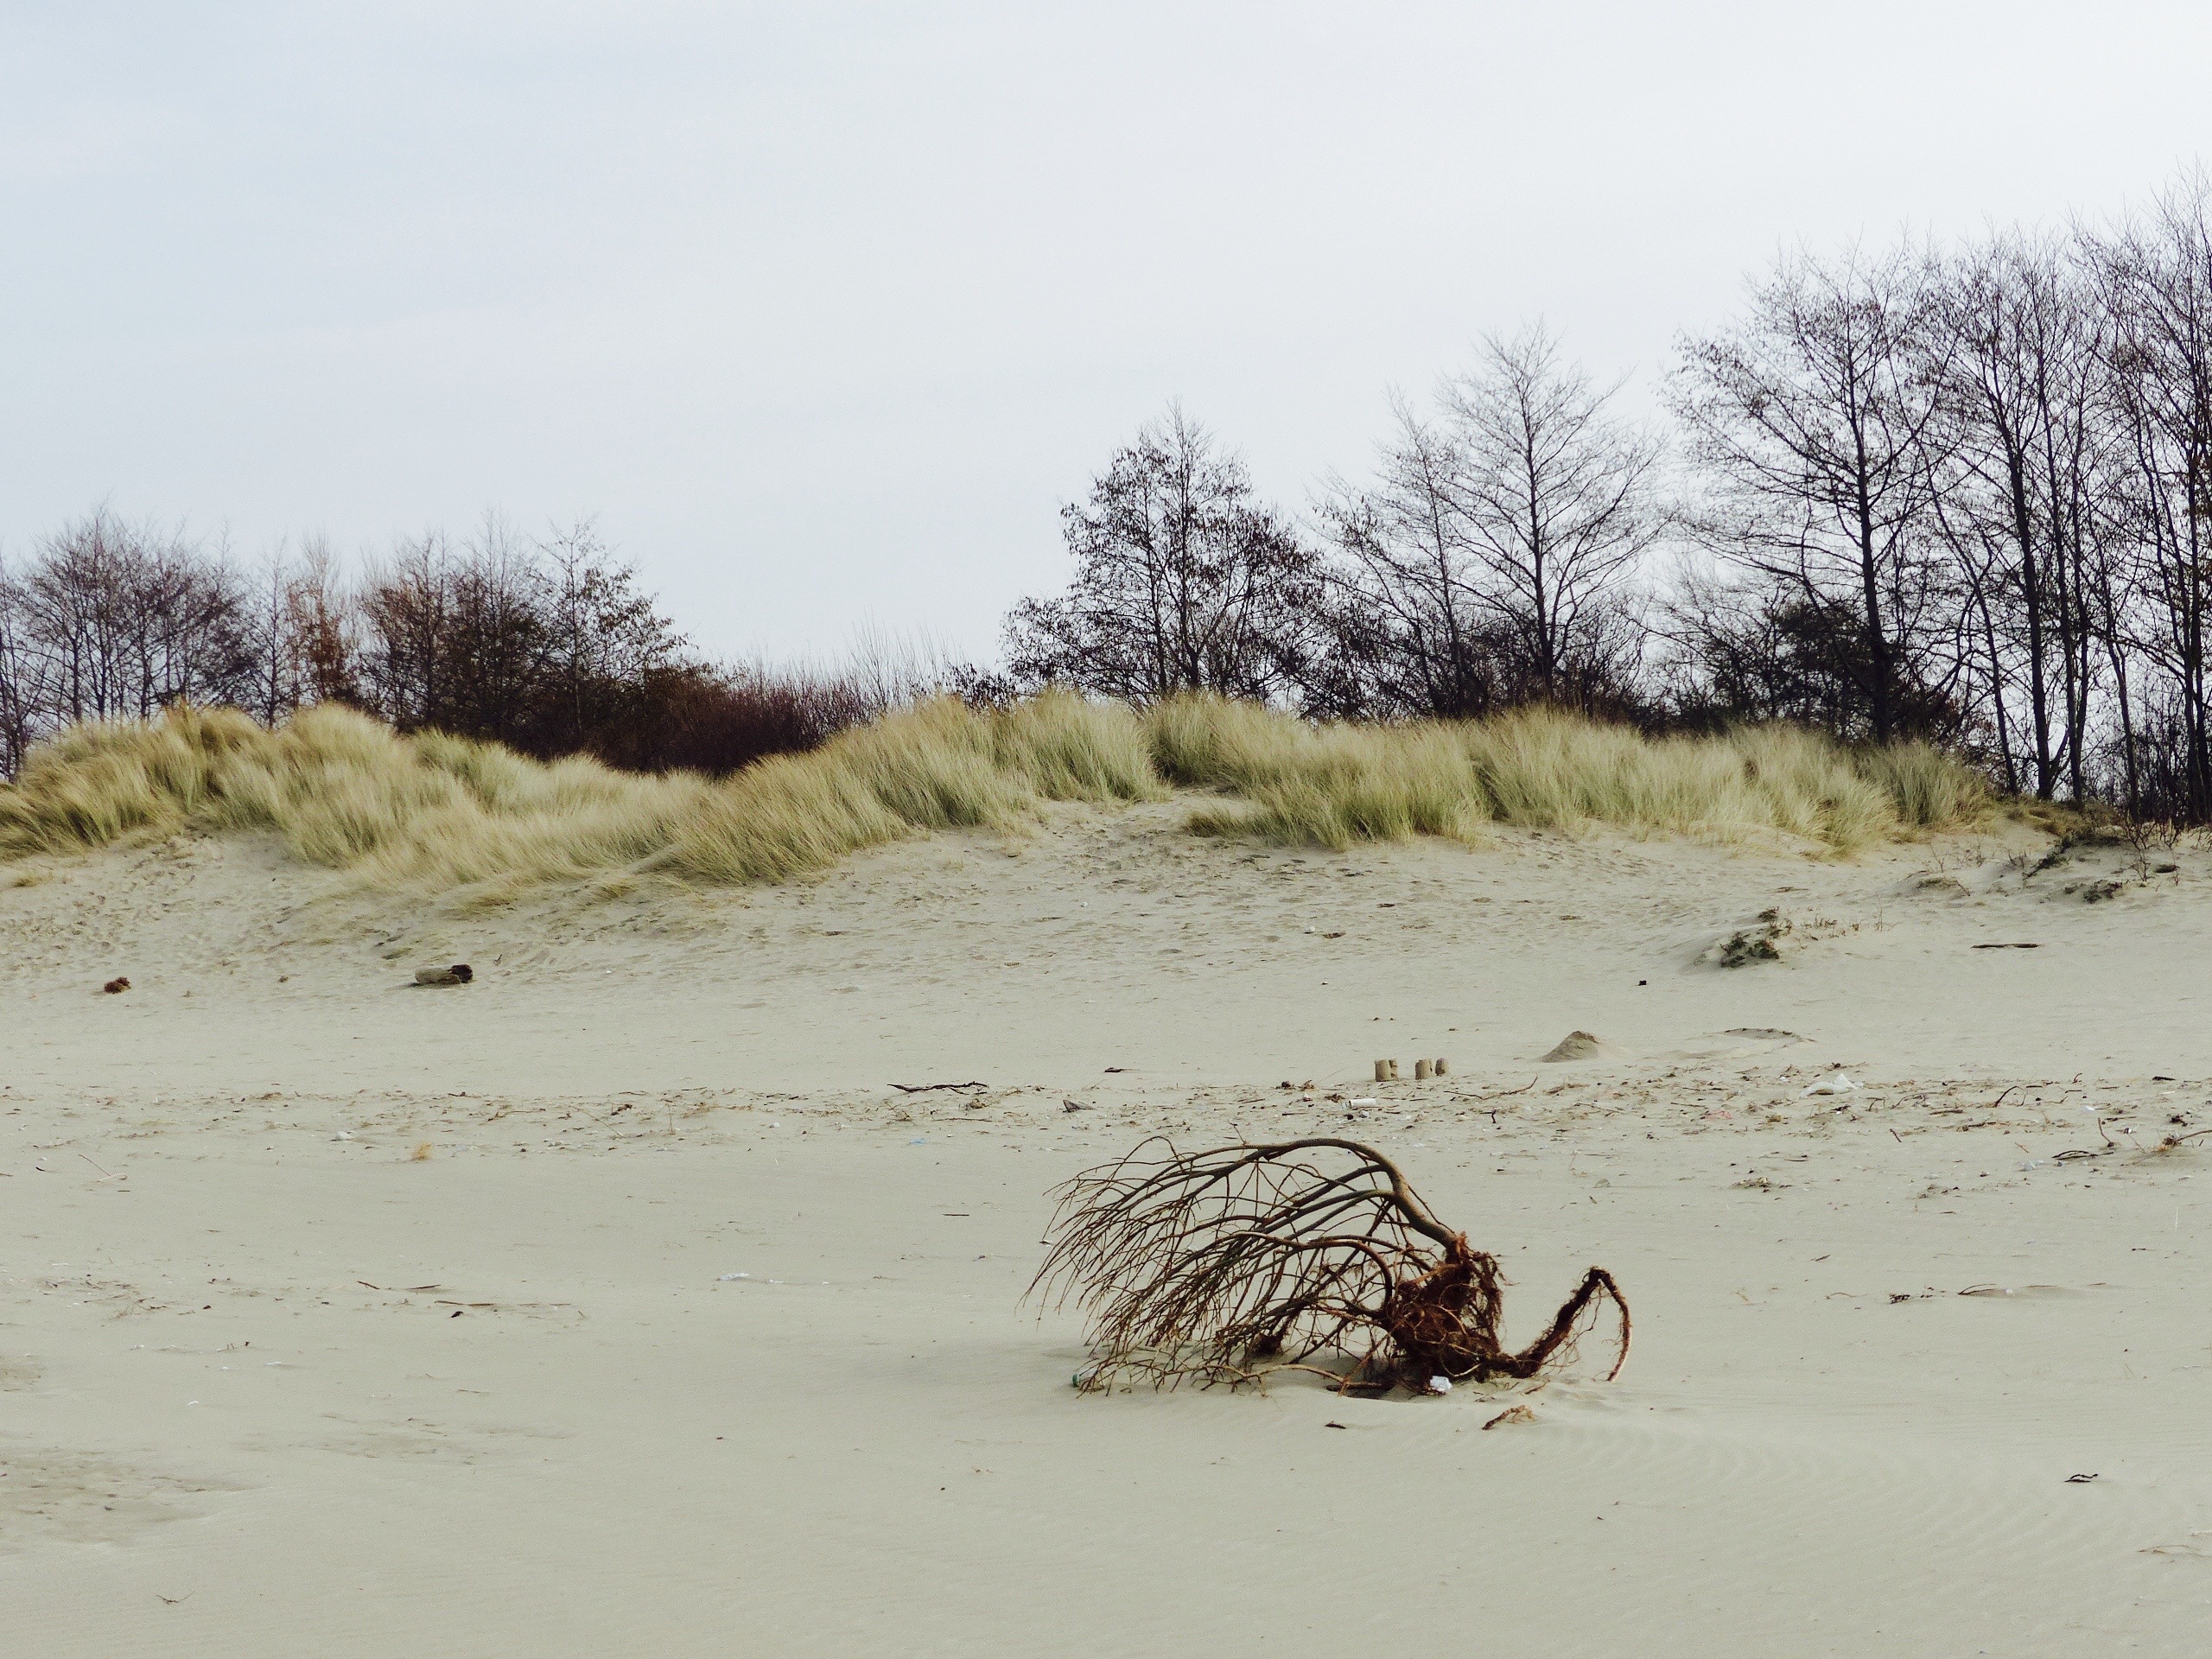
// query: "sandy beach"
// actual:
[[622, 1301]]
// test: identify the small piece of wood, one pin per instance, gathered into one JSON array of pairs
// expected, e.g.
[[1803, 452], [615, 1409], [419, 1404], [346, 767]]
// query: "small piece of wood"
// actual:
[[1381, 1071], [1443, 1068], [459, 973], [1424, 1070]]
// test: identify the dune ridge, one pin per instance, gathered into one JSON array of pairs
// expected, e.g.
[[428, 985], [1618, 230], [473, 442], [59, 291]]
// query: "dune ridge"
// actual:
[[433, 813]]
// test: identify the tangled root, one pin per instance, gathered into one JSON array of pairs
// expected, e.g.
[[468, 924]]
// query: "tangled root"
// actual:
[[1221, 1266]]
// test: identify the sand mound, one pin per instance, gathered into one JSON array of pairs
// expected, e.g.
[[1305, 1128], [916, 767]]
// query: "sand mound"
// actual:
[[1576, 1045]]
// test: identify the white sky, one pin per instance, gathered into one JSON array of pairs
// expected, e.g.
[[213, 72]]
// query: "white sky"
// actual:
[[823, 309]]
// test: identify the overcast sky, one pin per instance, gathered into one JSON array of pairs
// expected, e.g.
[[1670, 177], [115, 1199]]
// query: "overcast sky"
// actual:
[[823, 310]]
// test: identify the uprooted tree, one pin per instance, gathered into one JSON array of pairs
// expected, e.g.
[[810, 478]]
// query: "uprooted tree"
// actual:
[[1222, 1266]]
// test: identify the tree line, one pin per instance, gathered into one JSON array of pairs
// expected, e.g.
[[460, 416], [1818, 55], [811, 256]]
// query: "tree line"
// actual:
[[1959, 493], [547, 644]]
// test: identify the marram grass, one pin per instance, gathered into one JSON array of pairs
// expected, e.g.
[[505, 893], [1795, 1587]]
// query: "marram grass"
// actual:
[[438, 814], [1541, 769]]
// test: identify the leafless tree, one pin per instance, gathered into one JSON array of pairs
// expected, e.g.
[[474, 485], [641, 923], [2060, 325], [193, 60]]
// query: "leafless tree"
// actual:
[[457, 637], [549, 646], [25, 694], [604, 639], [1184, 581], [408, 651], [1414, 633], [1494, 547], [2021, 499], [1553, 497], [113, 620], [2156, 278], [1810, 424]]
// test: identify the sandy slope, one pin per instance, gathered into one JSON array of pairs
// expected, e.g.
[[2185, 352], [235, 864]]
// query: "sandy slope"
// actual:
[[270, 1384]]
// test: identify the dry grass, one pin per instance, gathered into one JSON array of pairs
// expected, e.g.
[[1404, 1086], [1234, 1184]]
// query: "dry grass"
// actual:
[[1338, 784], [937, 767], [441, 815]]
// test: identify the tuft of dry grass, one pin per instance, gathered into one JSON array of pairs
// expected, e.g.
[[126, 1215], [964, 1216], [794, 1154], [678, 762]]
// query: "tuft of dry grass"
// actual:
[[1334, 784], [443, 815], [1539, 768]]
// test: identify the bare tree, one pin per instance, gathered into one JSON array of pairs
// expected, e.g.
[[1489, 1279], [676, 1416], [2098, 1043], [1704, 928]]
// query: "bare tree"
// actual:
[[1811, 423], [1184, 581], [115, 621], [1551, 495], [25, 692], [324, 627], [2156, 278], [1495, 547], [272, 622], [457, 637], [1413, 633], [407, 656], [604, 639], [2021, 500], [548, 645]]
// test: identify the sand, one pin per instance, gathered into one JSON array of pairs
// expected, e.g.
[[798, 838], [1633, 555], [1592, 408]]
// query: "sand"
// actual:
[[618, 1303]]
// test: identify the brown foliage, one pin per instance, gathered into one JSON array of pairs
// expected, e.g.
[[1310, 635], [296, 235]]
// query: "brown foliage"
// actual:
[[698, 719]]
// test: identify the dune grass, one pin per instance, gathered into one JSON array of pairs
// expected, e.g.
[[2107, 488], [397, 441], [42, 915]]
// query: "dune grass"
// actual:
[[438, 814], [1541, 769]]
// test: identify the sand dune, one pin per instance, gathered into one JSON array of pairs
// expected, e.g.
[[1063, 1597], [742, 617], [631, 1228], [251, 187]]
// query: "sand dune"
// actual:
[[270, 1382]]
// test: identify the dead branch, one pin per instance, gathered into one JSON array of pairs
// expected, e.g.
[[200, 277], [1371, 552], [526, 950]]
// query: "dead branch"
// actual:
[[1500, 1094], [1222, 1266]]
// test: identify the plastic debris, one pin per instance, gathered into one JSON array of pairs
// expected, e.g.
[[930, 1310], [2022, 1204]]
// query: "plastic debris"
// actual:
[[1440, 1384], [1835, 1084], [727, 1277]]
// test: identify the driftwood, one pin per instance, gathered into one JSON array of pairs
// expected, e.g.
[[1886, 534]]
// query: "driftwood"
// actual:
[[1222, 1266]]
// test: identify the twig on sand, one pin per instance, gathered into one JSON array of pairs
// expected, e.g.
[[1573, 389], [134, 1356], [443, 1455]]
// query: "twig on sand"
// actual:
[[925, 1088], [2167, 1144], [1502, 1093]]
